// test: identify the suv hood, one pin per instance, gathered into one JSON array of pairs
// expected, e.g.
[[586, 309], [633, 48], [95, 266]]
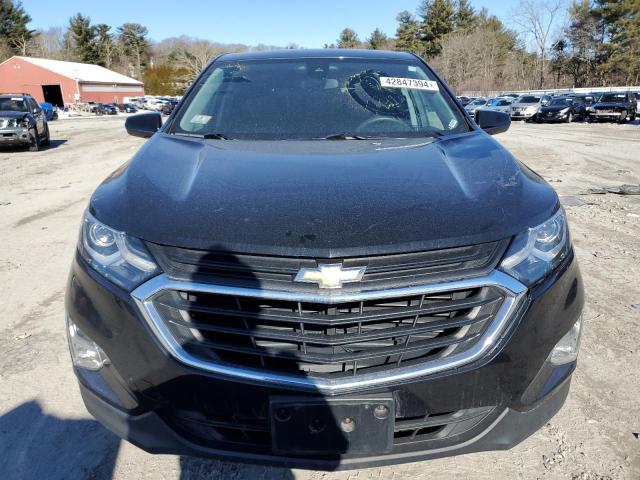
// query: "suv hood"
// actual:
[[323, 198], [12, 114], [610, 105]]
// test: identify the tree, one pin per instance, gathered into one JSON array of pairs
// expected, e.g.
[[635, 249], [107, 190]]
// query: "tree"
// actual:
[[378, 40], [165, 79], [536, 18], [193, 55], [348, 39], [438, 19], [465, 16], [105, 46], [621, 25], [82, 36], [49, 44], [408, 33], [133, 39], [582, 46], [14, 33]]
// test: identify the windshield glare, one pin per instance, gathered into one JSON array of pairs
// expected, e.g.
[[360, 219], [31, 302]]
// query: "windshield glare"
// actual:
[[15, 104], [318, 97], [527, 99], [560, 101], [612, 97]]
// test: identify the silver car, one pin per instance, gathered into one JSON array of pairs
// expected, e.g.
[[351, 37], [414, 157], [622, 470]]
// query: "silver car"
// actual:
[[499, 104], [526, 107], [471, 107]]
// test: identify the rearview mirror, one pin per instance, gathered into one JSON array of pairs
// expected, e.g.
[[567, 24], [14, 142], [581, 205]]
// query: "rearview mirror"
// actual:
[[144, 124], [493, 122]]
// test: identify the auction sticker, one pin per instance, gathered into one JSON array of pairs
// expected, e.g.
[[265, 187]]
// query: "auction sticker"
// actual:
[[398, 82]]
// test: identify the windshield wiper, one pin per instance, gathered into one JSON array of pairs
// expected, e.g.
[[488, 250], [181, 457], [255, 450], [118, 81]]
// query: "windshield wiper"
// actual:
[[215, 136], [344, 136], [206, 136]]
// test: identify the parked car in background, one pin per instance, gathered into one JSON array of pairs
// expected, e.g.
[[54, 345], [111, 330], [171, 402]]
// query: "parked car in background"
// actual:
[[463, 100], [106, 109], [127, 108], [22, 122], [50, 111], [618, 107], [168, 107], [500, 104], [471, 107], [526, 107], [563, 109]]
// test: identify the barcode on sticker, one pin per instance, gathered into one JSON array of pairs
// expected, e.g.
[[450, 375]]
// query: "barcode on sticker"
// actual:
[[398, 82]]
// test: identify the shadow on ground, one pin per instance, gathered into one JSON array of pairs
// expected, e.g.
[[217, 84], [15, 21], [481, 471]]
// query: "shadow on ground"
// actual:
[[37, 446], [40, 446]]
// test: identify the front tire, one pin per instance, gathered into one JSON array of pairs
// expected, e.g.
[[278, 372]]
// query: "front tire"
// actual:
[[34, 146], [623, 116], [569, 117], [47, 139]]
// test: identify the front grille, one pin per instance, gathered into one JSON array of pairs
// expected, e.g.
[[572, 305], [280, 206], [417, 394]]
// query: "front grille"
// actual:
[[278, 272], [254, 431], [327, 340], [7, 123]]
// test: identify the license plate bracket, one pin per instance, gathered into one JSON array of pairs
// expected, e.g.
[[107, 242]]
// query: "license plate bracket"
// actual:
[[326, 426]]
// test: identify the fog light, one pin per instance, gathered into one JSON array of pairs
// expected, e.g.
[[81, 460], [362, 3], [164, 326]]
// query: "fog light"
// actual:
[[85, 353], [566, 350]]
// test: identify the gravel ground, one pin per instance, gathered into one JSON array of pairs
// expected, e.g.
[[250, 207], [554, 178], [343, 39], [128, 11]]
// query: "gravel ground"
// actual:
[[45, 431]]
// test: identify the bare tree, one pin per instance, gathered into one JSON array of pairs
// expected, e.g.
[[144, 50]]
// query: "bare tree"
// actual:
[[536, 19], [194, 55]]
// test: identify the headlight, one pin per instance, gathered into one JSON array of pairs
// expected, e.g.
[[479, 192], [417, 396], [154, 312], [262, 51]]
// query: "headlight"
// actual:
[[536, 252], [122, 259], [591, 109], [564, 110]]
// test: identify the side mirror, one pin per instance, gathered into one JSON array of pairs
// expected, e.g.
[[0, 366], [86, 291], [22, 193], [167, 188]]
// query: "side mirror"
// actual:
[[492, 121], [144, 124]]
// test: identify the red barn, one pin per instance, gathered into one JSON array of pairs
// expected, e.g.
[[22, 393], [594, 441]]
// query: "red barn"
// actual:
[[61, 83]]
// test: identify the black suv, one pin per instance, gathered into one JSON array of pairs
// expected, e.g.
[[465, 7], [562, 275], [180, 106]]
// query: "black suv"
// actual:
[[320, 260], [563, 109], [22, 122], [618, 107]]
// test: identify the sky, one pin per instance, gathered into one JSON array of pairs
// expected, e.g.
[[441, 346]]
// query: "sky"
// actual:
[[308, 23]]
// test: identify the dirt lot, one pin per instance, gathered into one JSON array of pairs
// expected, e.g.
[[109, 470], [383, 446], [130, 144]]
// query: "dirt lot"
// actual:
[[45, 432]]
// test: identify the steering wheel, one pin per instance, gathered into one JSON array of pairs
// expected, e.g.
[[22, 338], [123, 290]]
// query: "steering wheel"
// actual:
[[377, 120]]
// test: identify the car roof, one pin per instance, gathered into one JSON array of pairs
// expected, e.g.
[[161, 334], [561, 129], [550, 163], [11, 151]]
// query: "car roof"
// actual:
[[318, 53]]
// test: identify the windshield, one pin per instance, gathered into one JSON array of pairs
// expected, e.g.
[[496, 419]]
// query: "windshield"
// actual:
[[14, 104], [558, 102], [528, 99], [499, 102], [612, 97], [478, 102], [317, 98]]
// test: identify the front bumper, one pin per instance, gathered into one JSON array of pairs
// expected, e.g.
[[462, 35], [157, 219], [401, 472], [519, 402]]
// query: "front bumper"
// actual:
[[147, 397], [522, 115], [555, 117], [15, 136]]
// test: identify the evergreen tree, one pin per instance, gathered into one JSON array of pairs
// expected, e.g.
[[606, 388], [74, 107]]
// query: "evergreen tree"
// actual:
[[133, 38], [621, 23], [408, 33], [348, 39], [13, 27], [438, 19], [465, 17], [83, 37], [378, 40], [105, 45]]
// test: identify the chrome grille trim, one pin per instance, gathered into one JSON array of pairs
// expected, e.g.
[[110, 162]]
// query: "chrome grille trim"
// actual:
[[514, 293]]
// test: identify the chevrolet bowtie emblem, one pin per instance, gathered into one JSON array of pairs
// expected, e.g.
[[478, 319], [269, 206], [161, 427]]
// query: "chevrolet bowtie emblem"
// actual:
[[330, 276]]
